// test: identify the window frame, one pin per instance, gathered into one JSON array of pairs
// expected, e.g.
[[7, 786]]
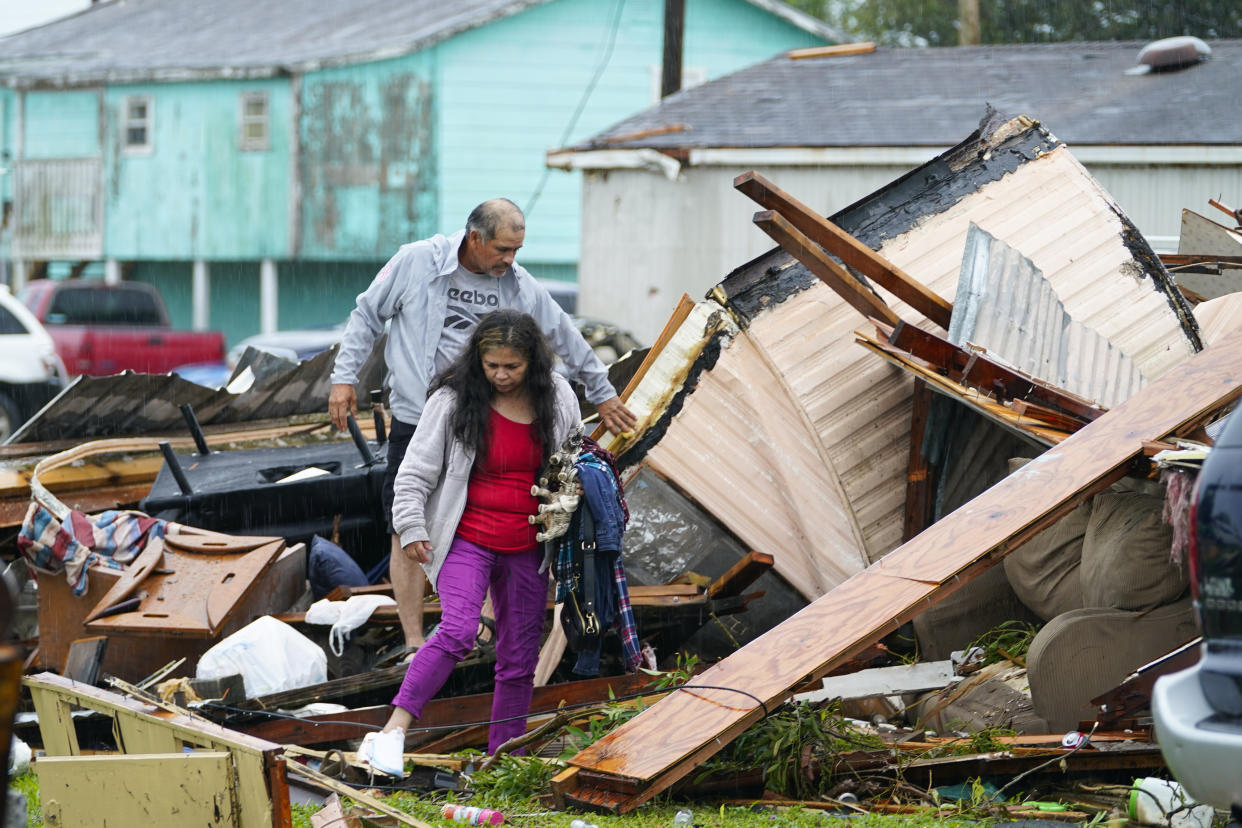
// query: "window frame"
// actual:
[[147, 122], [247, 143]]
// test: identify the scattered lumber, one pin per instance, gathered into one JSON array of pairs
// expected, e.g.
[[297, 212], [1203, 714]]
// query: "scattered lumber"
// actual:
[[664, 743]]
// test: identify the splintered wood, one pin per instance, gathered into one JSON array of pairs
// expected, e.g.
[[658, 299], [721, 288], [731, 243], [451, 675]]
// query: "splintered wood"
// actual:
[[655, 749]]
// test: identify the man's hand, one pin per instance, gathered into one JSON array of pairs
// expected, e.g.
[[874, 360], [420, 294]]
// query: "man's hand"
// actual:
[[418, 551], [341, 403], [615, 416]]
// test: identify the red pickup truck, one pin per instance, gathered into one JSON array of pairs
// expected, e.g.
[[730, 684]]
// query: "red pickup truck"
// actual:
[[101, 328]]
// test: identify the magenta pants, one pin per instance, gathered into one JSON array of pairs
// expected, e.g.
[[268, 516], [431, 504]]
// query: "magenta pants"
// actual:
[[519, 597]]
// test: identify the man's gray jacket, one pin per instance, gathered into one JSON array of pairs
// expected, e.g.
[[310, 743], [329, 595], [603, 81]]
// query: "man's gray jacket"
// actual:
[[404, 291]]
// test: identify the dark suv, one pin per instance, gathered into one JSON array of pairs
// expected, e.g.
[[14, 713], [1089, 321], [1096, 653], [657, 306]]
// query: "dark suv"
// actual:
[[1198, 712]]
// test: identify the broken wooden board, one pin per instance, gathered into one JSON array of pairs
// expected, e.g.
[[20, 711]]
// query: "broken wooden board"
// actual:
[[139, 644], [845, 247], [1038, 428], [664, 743], [439, 712], [251, 772], [197, 594]]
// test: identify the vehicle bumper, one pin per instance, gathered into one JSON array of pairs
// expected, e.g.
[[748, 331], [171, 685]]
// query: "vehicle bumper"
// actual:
[[1206, 761]]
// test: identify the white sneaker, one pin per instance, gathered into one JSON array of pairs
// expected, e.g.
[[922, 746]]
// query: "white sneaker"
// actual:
[[384, 751]]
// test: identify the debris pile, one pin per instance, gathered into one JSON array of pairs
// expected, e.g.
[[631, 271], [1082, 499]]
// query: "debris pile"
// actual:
[[832, 460]]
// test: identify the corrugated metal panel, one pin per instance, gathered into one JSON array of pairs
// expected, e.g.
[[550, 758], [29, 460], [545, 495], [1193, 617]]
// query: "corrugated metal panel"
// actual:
[[1005, 305], [130, 404], [59, 209], [1072, 231]]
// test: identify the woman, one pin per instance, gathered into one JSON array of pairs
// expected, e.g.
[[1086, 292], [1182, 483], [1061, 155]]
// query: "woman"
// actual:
[[461, 507]]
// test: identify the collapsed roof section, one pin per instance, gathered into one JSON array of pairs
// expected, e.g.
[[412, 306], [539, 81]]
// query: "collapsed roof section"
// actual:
[[797, 441], [263, 387]]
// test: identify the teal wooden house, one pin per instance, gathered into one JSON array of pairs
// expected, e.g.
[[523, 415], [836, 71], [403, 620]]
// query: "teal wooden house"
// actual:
[[258, 160]]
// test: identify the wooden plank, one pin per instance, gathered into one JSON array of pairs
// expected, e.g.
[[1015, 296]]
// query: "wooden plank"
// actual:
[[978, 371], [741, 575], [919, 474], [135, 573], [682, 310], [351, 724], [997, 412], [665, 742], [842, 282], [644, 133], [863, 47], [845, 247], [400, 817]]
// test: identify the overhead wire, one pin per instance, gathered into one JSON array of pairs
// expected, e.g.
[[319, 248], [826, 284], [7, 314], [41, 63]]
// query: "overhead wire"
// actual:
[[219, 705], [611, 42]]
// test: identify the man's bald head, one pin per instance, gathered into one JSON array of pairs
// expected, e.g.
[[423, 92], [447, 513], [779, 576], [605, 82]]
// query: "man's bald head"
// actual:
[[495, 216]]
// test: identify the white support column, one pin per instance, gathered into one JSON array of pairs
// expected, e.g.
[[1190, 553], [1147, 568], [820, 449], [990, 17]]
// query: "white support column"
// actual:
[[112, 271], [19, 275], [200, 293], [269, 297]]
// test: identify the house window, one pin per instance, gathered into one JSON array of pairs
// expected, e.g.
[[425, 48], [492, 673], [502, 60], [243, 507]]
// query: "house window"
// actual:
[[254, 121], [138, 117]]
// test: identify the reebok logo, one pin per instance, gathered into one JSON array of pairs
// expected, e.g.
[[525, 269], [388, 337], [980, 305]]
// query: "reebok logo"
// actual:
[[474, 297]]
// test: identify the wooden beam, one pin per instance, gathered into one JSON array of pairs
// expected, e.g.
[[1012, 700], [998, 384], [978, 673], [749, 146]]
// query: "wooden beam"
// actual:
[[667, 741], [991, 377], [741, 575], [858, 295], [845, 247], [863, 47], [919, 472], [644, 133], [351, 724], [682, 310]]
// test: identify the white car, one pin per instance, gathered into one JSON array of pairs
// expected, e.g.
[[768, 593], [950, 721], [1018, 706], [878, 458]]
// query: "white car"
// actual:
[[31, 373]]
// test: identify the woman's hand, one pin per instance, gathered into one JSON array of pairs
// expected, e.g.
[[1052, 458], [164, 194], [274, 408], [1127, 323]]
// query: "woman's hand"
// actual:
[[418, 551]]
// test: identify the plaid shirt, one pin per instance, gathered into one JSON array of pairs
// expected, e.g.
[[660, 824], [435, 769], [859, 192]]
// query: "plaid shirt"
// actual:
[[602, 495]]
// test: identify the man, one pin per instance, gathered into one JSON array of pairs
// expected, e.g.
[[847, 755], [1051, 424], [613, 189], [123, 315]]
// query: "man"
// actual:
[[434, 291]]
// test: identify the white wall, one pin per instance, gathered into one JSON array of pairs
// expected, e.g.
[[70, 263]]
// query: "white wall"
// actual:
[[646, 239]]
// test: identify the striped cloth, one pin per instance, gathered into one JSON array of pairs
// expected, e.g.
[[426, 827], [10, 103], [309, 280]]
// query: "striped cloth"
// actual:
[[111, 538], [602, 488]]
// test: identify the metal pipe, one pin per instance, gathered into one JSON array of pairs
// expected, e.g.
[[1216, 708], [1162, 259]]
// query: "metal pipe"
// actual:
[[174, 466], [196, 431], [360, 441], [377, 411]]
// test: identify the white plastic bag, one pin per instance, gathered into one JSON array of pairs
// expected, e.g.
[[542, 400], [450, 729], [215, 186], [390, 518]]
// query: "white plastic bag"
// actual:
[[345, 616], [270, 655]]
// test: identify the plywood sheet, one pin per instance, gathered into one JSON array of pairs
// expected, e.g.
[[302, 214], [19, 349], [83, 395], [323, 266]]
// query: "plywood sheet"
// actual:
[[665, 742]]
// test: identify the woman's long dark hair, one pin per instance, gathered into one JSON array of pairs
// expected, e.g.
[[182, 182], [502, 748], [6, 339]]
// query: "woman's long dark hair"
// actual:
[[500, 329]]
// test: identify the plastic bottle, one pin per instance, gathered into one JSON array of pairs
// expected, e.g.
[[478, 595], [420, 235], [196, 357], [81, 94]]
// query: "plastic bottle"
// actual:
[[472, 815], [1160, 802], [683, 818]]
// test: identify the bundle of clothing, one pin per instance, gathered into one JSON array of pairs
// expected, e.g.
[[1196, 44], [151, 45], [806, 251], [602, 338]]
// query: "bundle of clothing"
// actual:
[[70, 546], [604, 498]]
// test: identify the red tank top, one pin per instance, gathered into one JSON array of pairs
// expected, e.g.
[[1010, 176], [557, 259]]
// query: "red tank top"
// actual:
[[498, 498]]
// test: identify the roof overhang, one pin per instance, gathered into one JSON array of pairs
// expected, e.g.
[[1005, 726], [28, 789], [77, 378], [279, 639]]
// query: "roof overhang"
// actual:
[[670, 162]]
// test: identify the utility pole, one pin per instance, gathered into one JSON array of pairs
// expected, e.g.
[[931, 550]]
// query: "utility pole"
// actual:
[[674, 33], [968, 22]]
